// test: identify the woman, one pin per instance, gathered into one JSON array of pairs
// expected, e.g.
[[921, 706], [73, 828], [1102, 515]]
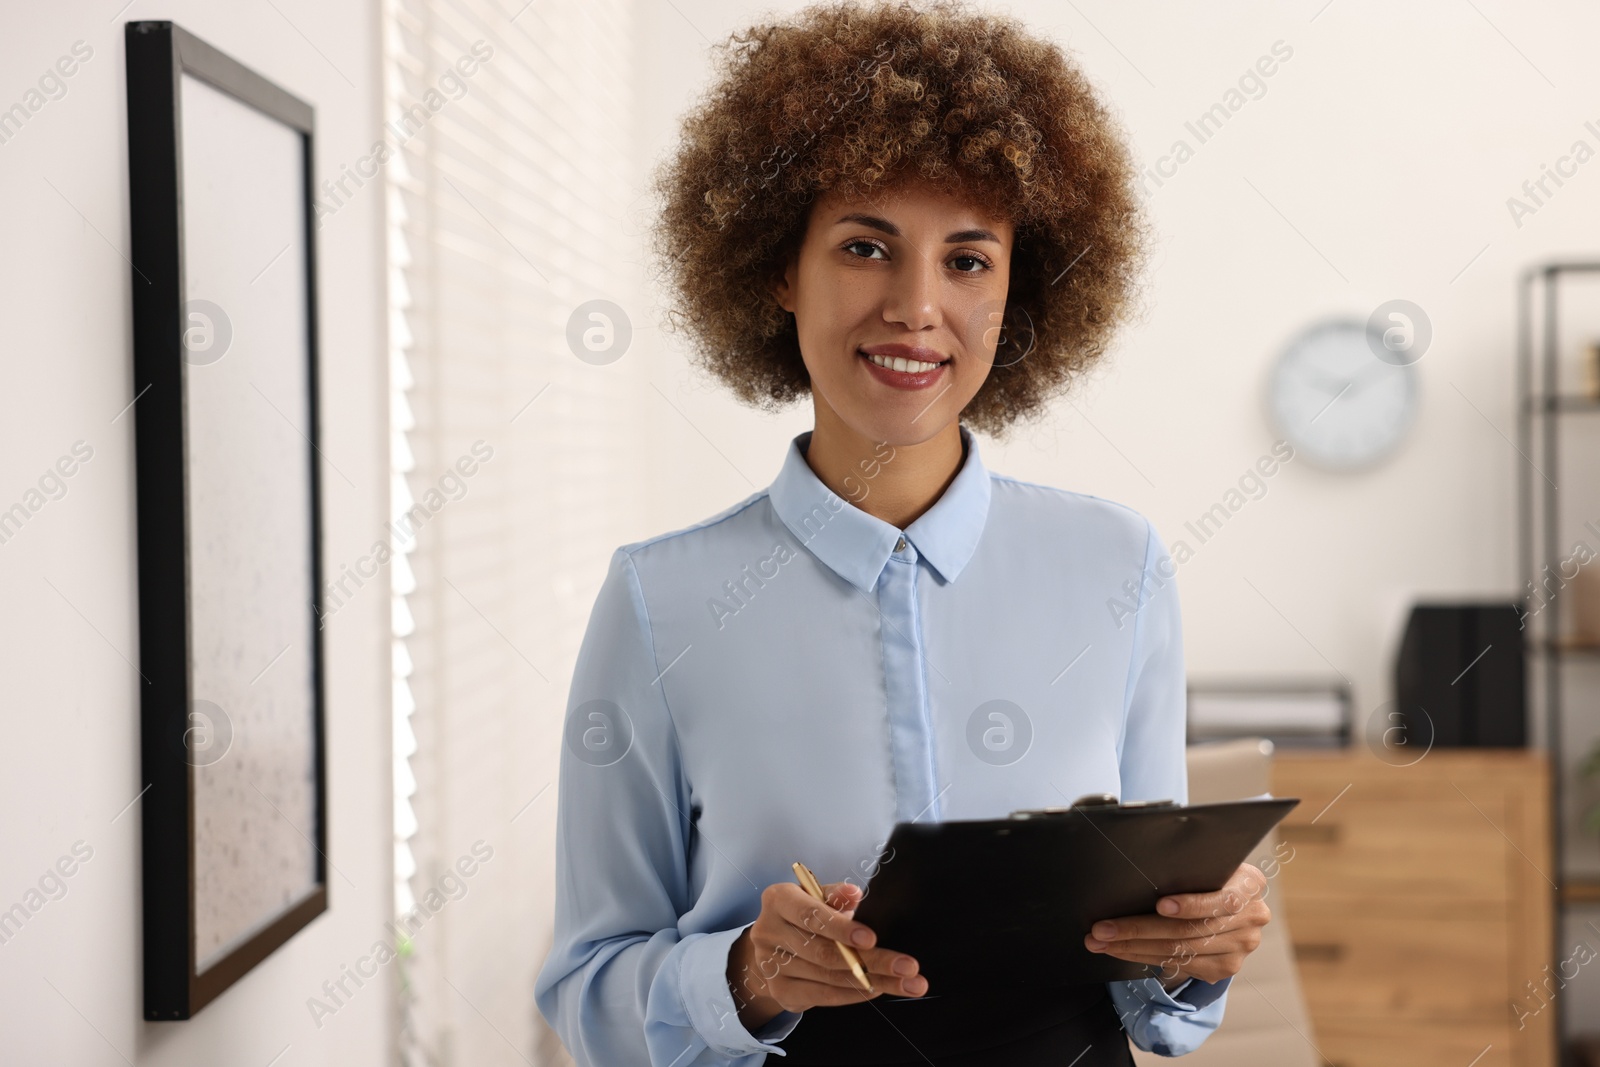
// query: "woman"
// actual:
[[920, 217]]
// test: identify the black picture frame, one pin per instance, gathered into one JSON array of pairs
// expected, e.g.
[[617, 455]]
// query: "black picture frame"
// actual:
[[159, 54]]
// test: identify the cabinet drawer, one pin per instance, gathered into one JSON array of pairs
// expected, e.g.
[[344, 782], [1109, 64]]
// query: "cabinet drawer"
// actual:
[[1364, 1043], [1360, 962], [1389, 847]]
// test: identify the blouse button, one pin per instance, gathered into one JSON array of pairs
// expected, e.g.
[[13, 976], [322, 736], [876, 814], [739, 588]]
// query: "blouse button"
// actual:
[[900, 545]]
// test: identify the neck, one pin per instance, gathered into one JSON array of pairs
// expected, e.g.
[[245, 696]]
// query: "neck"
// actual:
[[895, 483]]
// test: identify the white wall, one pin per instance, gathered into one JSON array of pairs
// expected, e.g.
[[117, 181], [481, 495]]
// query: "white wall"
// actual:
[[70, 981], [1376, 165]]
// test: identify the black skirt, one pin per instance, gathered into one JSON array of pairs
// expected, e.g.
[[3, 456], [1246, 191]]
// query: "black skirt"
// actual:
[[1071, 1026]]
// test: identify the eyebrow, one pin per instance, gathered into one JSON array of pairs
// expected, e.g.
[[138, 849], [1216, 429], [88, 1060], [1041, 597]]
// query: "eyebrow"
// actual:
[[894, 231]]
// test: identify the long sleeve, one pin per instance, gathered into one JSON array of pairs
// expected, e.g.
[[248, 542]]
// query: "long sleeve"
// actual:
[[1152, 758], [622, 986]]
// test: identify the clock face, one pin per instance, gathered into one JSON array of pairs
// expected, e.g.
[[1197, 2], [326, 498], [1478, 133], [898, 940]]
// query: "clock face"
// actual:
[[1336, 402]]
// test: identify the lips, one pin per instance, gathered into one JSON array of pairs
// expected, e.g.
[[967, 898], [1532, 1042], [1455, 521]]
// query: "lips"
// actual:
[[913, 359], [902, 371]]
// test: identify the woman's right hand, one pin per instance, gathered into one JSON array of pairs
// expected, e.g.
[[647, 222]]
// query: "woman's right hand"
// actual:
[[787, 960]]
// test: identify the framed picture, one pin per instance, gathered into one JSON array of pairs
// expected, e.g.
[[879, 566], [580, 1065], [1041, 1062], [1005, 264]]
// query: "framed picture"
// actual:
[[229, 520]]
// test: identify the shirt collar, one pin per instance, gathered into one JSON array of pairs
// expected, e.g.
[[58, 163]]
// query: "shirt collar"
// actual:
[[856, 545]]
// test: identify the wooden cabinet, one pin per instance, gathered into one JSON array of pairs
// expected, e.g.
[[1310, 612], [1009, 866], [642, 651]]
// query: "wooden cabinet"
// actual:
[[1420, 902]]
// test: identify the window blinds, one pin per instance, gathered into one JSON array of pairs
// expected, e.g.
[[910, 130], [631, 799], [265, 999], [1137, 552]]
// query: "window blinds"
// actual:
[[509, 181]]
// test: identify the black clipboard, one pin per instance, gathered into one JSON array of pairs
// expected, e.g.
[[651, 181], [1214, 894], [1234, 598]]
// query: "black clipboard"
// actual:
[[1024, 890]]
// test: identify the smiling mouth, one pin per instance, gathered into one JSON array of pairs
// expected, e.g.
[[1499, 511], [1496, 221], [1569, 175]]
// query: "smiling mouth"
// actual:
[[905, 366]]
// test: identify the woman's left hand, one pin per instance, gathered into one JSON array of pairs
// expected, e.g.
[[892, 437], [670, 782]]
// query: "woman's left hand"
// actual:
[[1205, 936]]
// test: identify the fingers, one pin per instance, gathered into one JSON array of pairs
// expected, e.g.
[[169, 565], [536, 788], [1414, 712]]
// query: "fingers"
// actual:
[[1244, 886], [1238, 903], [776, 972], [1133, 927], [813, 918], [797, 934], [1156, 950], [1242, 937], [1203, 932], [883, 963], [842, 896], [803, 994], [844, 889], [1212, 941], [834, 972]]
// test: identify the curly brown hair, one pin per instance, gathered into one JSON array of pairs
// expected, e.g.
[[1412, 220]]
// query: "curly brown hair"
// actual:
[[853, 98]]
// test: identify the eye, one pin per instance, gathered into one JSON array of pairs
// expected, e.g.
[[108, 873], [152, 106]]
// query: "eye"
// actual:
[[863, 243], [982, 263]]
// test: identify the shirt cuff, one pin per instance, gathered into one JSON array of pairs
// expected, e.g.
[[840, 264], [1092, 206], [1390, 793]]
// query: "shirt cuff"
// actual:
[[703, 982], [1176, 991], [1156, 1021], [1192, 995]]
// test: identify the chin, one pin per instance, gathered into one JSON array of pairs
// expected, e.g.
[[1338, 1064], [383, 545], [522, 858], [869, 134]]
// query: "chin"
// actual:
[[901, 431]]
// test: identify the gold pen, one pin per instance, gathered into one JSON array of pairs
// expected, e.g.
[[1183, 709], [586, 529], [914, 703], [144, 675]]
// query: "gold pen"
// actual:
[[810, 884]]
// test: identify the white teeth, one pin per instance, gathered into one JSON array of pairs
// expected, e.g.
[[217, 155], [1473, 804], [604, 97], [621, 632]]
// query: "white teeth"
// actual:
[[912, 366]]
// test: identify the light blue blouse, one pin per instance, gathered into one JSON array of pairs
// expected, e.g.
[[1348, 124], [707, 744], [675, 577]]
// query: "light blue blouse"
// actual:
[[788, 678]]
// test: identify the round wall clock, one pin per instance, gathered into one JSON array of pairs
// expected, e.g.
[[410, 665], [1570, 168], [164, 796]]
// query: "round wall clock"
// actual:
[[1336, 402]]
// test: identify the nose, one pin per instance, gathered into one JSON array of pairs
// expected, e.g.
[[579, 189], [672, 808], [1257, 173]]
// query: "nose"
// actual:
[[914, 292]]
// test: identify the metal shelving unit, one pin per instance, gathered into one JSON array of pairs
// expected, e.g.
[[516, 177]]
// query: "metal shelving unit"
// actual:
[[1547, 649]]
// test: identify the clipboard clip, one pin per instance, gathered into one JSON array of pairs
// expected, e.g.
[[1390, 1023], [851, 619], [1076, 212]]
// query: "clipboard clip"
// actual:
[[1090, 800]]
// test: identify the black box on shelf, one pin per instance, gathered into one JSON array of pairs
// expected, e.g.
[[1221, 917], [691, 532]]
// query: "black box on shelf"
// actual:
[[1463, 665]]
